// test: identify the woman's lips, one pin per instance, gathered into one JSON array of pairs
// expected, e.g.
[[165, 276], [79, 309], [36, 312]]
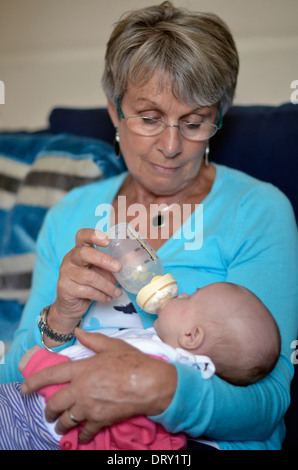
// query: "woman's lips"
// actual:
[[164, 169]]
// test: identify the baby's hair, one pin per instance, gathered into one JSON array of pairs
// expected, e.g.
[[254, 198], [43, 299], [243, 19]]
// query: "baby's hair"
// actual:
[[246, 345]]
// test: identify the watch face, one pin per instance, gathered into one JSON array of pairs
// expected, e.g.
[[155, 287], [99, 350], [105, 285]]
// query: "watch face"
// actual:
[[42, 317]]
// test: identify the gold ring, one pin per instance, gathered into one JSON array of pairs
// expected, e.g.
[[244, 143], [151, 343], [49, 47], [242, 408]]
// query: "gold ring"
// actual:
[[71, 416]]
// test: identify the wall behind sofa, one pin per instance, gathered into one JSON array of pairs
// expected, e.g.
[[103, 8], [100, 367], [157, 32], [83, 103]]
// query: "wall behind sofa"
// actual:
[[51, 52]]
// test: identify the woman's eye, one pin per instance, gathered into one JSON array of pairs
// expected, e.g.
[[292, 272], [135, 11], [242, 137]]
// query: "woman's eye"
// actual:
[[149, 121], [193, 125]]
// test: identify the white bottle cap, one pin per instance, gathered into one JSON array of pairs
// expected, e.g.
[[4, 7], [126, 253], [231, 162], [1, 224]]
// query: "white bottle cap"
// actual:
[[155, 295]]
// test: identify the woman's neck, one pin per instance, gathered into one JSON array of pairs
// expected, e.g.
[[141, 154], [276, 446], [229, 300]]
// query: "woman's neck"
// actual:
[[155, 215]]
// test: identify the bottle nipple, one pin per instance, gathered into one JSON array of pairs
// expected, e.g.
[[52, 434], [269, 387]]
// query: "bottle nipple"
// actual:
[[157, 293]]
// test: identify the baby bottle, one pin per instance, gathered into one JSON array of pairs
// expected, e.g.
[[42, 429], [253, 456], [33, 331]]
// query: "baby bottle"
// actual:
[[142, 269]]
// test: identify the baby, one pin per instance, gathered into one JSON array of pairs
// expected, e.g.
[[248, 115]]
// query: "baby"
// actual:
[[227, 323], [222, 324]]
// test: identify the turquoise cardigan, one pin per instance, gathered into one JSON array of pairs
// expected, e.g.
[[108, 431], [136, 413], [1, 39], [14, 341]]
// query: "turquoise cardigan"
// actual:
[[249, 238]]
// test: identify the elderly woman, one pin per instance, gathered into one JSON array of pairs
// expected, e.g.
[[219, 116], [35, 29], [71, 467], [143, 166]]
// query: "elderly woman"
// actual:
[[170, 77]]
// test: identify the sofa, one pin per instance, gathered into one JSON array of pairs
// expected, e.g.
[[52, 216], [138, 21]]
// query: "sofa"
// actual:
[[38, 168]]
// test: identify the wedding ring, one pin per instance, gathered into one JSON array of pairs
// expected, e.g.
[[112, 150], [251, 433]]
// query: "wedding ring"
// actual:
[[71, 416]]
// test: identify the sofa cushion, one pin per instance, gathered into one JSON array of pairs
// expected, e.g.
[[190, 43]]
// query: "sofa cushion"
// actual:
[[94, 123], [261, 141]]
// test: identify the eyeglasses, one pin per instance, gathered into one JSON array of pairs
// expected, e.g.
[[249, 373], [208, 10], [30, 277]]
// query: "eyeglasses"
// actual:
[[191, 130]]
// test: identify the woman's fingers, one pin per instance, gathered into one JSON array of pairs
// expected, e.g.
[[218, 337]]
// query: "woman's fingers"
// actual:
[[102, 292], [86, 274], [69, 419], [87, 283], [88, 236], [98, 267], [116, 383], [85, 255], [97, 342], [89, 430]]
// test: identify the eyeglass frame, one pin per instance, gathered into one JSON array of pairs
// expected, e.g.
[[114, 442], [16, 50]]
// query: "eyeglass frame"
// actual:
[[218, 127]]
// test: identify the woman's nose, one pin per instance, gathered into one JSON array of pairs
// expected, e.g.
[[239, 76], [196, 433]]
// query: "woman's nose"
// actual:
[[170, 142]]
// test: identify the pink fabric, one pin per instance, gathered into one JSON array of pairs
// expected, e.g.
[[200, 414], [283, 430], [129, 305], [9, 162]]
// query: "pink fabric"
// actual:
[[137, 433]]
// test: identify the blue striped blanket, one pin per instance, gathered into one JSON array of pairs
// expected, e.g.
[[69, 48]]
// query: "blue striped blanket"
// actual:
[[36, 170]]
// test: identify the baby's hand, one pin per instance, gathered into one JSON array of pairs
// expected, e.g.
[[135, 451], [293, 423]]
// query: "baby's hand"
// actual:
[[27, 356]]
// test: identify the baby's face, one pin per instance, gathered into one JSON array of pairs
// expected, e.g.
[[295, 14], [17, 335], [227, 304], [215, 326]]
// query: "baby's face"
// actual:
[[177, 315]]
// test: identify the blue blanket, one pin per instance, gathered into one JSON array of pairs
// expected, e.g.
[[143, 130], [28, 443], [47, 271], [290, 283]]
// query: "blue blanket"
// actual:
[[36, 171]]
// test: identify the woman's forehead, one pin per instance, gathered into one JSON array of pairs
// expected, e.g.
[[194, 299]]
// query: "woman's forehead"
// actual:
[[154, 93], [153, 85]]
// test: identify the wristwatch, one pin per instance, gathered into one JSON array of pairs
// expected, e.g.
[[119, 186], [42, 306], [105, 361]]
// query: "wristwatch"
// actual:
[[44, 329]]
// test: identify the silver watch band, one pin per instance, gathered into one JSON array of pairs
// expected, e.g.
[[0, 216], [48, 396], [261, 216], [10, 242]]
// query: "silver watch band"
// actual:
[[54, 335]]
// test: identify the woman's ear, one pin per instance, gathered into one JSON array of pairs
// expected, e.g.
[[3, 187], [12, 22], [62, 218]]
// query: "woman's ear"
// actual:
[[113, 113], [192, 339]]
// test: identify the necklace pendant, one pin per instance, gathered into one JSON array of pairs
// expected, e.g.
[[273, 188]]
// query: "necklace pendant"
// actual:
[[158, 220]]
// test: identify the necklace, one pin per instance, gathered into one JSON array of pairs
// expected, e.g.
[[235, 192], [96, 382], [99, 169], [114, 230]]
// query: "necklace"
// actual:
[[158, 220]]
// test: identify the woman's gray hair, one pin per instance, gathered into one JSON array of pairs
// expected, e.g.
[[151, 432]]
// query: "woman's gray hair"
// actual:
[[195, 51]]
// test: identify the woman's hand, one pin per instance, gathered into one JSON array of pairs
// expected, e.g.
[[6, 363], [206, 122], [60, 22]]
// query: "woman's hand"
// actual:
[[117, 383], [86, 274]]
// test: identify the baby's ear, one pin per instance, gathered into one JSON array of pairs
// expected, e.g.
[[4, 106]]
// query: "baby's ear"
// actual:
[[192, 339]]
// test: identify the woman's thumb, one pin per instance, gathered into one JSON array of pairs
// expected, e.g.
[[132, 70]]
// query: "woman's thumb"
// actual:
[[94, 341]]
